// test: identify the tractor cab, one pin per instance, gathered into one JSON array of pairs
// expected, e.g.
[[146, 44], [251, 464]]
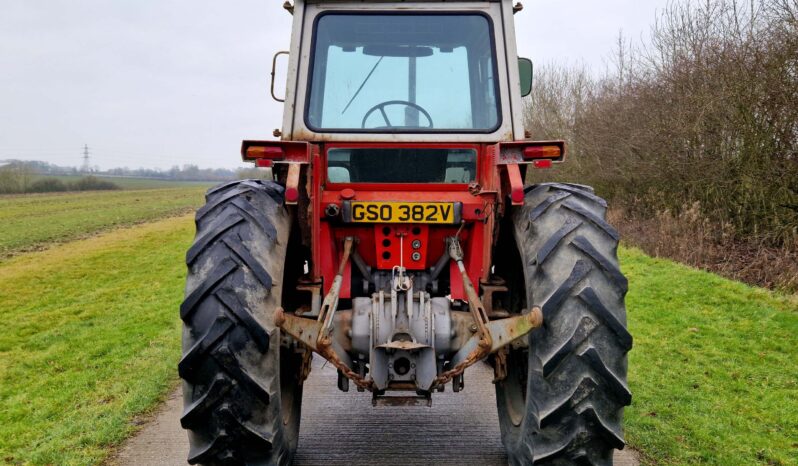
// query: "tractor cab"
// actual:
[[399, 143], [403, 72]]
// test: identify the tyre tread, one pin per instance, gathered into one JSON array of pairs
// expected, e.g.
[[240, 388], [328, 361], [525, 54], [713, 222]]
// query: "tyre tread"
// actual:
[[231, 362], [577, 362]]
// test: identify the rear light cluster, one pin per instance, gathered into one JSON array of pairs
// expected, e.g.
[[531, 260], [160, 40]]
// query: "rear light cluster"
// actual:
[[539, 154], [544, 154], [265, 153], [264, 156]]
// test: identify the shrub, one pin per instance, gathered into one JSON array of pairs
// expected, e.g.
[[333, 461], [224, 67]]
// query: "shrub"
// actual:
[[15, 178], [47, 185], [91, 183]]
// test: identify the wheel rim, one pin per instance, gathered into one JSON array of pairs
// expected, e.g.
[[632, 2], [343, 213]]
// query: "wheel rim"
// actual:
[[515, 385], [289, 386]]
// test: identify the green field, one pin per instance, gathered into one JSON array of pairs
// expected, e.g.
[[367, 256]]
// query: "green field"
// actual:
[[91, 340], [32, 221]]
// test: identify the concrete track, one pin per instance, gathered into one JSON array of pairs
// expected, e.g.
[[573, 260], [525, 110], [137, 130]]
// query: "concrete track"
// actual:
[[344, 429]]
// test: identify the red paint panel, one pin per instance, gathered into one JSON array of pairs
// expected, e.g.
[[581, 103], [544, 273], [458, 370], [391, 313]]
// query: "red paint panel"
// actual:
[[456, 282], [516, 183], [394, 246], [314, 209], [326, 265], [474, 259], [328, 234]]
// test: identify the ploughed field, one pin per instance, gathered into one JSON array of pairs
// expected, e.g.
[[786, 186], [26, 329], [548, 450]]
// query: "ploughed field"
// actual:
[[91, 339]]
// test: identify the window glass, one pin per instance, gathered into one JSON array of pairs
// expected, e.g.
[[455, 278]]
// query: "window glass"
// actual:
[[401, 165], [397, 73]]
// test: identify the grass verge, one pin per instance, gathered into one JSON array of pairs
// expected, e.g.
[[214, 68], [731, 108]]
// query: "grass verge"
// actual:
[[713, 371], [31, 221], [90, 339]]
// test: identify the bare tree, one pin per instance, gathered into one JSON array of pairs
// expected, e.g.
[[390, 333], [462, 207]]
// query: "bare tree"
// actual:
[[705, 114]]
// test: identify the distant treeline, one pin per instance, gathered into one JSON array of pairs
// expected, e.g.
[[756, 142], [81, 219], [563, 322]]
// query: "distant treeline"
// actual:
[[702, 120], [184, 173], [19, 179]]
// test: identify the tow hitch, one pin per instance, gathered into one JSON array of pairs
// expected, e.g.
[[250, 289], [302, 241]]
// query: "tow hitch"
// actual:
[[410, 341]]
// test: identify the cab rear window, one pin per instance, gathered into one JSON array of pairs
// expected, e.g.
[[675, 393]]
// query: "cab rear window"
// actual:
[[401, 165], [393, 73]]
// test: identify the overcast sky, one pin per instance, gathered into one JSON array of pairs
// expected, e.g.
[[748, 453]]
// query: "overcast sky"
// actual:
[[157, 83]]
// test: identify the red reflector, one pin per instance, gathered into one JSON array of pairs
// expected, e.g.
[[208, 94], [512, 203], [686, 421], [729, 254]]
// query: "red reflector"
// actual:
[[347, 193], [291, 194], [542, 163], [542, 152], [263, 163]]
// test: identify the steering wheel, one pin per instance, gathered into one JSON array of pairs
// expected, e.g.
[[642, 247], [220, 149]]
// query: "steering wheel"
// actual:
[[381, 108]]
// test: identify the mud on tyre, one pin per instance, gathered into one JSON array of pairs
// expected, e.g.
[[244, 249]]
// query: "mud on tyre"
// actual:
[[563, 398], [241, 391]]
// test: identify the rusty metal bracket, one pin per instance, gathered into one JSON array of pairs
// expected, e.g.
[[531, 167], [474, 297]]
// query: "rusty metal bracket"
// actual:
[[482, 341], [505, 331], [302, 329], [315, 298], [330, 303], [502, 332], [317, 334], [325, 345], [478, 311], [500, 365], [488, 290]]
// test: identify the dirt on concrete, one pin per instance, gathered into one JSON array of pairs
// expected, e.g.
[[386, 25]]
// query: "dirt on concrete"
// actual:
[[344, 429]]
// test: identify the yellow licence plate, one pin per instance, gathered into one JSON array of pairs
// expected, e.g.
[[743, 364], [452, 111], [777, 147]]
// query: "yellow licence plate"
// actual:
[[402, 212]]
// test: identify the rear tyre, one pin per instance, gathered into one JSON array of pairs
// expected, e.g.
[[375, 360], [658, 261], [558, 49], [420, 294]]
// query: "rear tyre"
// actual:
[[241, 389], [563, 398]]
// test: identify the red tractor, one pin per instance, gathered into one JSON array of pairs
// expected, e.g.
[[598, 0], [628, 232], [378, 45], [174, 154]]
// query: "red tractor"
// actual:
[[397, 241]]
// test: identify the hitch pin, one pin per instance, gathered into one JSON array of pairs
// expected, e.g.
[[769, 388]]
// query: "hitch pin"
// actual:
[[402, 284]]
